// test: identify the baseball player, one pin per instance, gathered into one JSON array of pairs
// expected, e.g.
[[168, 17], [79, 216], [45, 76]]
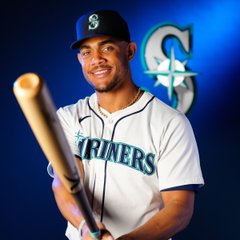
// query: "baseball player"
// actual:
[[138, 156]]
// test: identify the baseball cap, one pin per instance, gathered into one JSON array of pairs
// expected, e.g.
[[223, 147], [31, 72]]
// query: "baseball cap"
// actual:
[[101, 23]]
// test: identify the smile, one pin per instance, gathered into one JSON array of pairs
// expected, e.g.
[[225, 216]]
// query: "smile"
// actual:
[[101, 72]]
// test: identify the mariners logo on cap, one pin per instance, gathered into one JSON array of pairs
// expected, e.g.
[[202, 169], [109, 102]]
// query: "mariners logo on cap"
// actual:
[[93, 21]]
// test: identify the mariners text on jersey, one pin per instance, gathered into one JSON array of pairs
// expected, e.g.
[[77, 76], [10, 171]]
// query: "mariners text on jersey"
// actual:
[[117, 152]]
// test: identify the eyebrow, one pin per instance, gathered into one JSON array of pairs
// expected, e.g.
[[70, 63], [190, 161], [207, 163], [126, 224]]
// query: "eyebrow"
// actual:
[[100, 43]]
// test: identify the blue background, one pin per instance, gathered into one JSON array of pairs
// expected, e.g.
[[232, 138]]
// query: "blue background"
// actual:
[[35, 37]]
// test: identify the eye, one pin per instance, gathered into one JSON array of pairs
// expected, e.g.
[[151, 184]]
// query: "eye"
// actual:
[[85, 53], [108, 49]]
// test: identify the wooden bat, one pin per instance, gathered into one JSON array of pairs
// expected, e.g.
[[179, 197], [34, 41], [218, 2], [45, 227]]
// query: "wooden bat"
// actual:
[[37, 105]]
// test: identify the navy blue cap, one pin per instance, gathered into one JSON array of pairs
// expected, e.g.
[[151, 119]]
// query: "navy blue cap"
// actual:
[[101, 23]]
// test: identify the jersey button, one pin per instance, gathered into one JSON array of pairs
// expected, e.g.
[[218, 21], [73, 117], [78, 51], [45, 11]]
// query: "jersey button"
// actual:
[[110, 121]]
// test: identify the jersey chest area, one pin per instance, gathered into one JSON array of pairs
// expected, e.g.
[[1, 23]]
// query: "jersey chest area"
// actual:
[[126, 140]]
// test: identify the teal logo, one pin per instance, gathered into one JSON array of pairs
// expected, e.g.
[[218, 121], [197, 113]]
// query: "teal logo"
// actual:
[[93, 22], [165, 53], [115, 152]]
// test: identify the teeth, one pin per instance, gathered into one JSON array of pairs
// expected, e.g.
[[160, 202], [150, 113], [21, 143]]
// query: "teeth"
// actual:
[[100, 72]]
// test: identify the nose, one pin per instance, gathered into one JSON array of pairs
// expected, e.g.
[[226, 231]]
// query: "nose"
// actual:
[[97, 58]]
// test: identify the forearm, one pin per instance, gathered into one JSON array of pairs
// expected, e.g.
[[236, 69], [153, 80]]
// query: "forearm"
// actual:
[[65, 201], [71, 212], [165, 224]]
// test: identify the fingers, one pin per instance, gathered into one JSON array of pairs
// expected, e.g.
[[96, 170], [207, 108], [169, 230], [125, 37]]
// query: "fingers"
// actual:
[[105, 234]]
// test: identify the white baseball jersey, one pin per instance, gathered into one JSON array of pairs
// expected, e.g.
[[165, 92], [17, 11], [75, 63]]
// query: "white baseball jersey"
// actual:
[[130, 157]]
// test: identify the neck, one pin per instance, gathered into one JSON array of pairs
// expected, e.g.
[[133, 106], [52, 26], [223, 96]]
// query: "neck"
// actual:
[[118, 99]]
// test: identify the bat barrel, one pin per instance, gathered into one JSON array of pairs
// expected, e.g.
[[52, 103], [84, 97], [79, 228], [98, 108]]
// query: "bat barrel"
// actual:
[[37, 105], [28, 85]]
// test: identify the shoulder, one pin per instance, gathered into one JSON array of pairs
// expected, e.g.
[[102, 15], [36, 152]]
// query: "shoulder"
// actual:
[[162, 113], [81, 107]]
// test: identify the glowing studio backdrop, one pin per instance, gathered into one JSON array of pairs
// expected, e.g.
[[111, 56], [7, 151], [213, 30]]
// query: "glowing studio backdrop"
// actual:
[[188, 55]]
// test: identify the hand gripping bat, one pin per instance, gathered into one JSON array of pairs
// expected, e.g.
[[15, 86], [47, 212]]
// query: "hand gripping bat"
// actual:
[[37, 105]]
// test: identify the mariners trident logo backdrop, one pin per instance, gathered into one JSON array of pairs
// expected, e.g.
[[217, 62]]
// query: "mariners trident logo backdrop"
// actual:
[[165, 52]]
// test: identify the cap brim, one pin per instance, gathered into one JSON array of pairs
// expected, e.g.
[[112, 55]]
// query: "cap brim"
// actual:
[[76, 45]]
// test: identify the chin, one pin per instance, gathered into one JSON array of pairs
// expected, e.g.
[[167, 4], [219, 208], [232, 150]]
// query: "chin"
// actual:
[[102, 89], [105, 87]]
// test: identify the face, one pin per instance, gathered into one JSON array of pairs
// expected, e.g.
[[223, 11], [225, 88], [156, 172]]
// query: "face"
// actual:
[[105, 62]]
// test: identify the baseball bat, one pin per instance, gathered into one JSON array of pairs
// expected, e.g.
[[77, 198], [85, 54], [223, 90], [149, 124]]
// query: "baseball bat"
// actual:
[[38, 107]]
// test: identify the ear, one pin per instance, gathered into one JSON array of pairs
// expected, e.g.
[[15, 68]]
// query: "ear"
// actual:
[[132, 48]]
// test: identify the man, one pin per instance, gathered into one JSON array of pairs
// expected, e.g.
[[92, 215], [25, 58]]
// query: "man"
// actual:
[[138, 156]]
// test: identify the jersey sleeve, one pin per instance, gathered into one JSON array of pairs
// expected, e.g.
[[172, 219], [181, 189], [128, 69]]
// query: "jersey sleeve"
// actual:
[[178, 164], [69, 128]]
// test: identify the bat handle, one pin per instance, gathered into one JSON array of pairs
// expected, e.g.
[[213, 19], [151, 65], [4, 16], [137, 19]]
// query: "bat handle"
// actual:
[[86, 211]]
